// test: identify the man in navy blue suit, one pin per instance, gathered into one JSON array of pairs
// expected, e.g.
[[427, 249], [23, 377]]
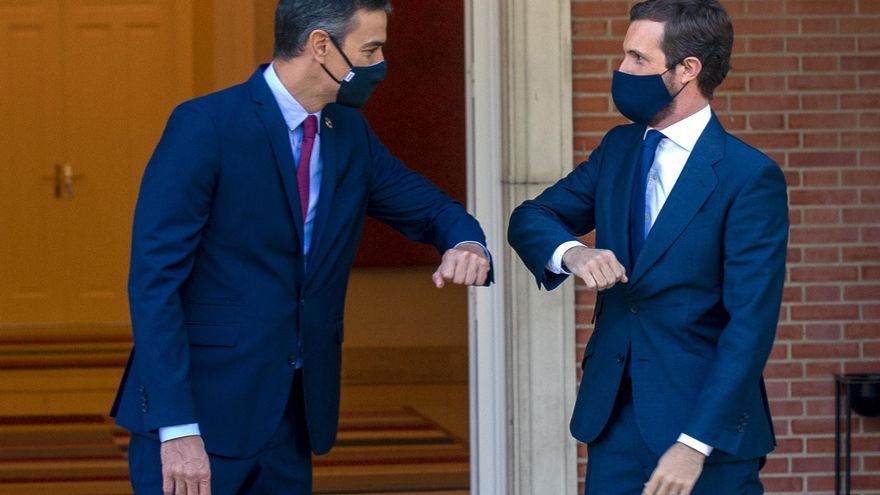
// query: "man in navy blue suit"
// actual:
[[247, 222], [691, 229]]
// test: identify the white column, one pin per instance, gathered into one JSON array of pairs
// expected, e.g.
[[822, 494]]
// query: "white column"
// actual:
[[522, 340]]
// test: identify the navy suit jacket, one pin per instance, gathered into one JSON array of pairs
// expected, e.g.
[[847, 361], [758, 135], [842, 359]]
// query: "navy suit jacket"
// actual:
[[218, 285], [698, 315]]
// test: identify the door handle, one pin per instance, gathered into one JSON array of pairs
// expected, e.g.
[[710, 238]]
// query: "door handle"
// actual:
[[64, 178]]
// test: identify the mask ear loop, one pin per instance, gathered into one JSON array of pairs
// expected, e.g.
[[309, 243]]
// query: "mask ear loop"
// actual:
[[683, 86], [344, 57]]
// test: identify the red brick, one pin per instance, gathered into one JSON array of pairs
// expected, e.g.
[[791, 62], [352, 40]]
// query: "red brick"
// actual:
[[793, 294], [829, 83], [820, 102], [869, 43], [860, 366], [592, 85], [765, 7], [859, 139], [822, 159], [766, 45], [870, 196], [827, 350], [767, 121], [823, 294], [733, 83], [871, 463], [774, 64], [816, 44], [813, 464], [590, 27], [822, 255], [871, 311], [820, 484], [594, 46], [820, 445], [865, 482], [764, 103], [776, 26], [784, 370], [778, 389], [823, 331], [781, 426], [871, 349], [870, 272], [599, 9], [822, 370], [862, 330], [771, 140], [814, 178], [767, 83], [860, 63], [782, 484], [775, 465], [858, 25], [869, 120], [594, 123], [788, 446], [862, 178], [860, 101], [591, 66], [824, 139], [787, 408], [870, 254], [792, 178], [869, 81], [822, 121], [821, 407], [821, 64], [822, 216], [823, 235], [871, 234], [820, 7], [817, 25], [594, 104], [825, 274]]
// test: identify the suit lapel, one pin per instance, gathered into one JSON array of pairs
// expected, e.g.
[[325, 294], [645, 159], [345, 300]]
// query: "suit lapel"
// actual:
[[621, 189], [329, 168], [279, 138], [694, 185]]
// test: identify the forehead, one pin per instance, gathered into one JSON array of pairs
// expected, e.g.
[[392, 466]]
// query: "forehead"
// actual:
[[644, 36], [369, 26]]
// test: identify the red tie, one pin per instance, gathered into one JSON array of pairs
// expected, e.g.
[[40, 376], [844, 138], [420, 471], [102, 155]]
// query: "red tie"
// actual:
[[310, 127]]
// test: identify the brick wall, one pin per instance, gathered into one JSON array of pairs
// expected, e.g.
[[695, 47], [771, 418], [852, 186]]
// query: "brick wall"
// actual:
[[805, 89]]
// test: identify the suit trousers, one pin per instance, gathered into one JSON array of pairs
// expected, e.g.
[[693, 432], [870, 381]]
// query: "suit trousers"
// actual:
[[283, 466], [620, 462]]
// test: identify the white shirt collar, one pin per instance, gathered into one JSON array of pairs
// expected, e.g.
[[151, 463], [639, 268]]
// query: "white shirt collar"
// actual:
[[686, 132], [294, 114]]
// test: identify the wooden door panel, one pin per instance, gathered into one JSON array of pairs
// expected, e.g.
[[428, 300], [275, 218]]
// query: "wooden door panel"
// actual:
[[31, 262]]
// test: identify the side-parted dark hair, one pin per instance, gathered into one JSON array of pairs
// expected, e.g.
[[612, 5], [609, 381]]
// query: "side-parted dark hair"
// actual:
[[296, 19], [693, 28]]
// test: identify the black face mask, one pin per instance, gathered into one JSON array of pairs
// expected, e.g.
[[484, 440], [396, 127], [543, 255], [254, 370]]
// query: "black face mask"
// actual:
[[639, 98], [355, 88]]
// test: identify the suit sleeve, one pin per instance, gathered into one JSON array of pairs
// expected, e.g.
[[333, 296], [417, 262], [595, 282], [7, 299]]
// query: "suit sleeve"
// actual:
[[755, 242], [414, 206], [562, 212], [172, 208]]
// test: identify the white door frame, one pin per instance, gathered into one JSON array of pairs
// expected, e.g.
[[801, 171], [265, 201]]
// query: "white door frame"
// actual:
[[522, 344]]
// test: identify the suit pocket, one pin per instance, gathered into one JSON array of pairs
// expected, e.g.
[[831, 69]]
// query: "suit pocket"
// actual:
[[213, 334]]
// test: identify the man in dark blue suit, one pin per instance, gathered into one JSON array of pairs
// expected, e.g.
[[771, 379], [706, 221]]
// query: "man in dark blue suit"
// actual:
[[247, 222], [691, 229]]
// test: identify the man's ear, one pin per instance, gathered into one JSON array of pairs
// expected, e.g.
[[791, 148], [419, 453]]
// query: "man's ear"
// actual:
[[318, 45], [691, 69]]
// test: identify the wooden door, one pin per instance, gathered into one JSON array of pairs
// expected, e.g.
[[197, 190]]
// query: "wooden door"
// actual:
[[85, 88]]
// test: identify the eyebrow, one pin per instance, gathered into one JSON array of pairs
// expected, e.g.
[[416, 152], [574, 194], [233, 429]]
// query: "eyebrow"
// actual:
[[373, 44], [636, 52]]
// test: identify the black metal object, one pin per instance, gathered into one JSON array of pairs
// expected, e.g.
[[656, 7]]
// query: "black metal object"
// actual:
[[859, 392]]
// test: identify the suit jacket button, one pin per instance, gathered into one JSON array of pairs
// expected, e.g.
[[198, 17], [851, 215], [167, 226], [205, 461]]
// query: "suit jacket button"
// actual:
[[620, 358], [291, 359], [145, 409], [634, 309]]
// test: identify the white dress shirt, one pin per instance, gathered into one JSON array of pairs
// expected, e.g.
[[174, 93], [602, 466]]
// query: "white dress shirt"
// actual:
[[672, 153]]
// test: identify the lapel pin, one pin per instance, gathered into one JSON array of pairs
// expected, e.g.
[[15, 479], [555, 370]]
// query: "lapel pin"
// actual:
[[328, 122]]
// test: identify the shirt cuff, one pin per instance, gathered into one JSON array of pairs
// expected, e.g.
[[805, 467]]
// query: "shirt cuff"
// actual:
[[555, 263], [695, 444], [173, 432], [485, 249]]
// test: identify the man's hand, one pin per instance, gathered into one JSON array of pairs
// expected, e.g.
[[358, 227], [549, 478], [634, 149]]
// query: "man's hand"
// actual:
[[677, 472], [185, 467], [464, 265], [598, 268]]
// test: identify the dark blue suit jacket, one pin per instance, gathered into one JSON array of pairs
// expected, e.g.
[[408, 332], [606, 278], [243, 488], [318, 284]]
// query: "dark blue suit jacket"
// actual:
[[698, 315], [218, 287]]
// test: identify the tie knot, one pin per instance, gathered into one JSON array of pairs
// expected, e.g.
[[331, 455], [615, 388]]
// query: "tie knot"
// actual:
[[310, 127], [653, 138]]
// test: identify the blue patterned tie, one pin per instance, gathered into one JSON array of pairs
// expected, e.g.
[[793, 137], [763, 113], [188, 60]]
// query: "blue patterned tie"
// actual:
[[638, 209]]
